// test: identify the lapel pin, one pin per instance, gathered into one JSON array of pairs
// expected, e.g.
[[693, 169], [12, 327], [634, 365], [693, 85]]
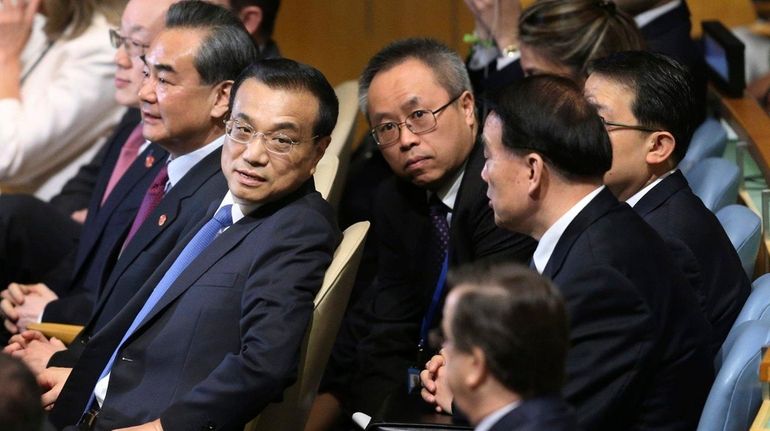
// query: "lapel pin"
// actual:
[[149, 161], [162, 220]]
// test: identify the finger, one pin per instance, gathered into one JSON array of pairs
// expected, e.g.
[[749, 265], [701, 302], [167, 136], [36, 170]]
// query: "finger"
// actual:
[[427, 396], [12, 347], [32, 7], [30, 335], [10, 327], [9, 310], [17, 292], [57, 343], [49, 397]]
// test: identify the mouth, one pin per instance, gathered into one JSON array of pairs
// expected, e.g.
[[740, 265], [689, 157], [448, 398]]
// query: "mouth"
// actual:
[[147, 117], [249, 178], [416, 162], [121, 83]]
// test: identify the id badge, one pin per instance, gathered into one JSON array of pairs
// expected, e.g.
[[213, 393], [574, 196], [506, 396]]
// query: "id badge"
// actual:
[[412, 378]]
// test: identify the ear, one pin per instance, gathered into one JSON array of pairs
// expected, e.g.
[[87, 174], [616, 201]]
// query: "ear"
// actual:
[[477, 368], [319, 150], [221, 95], [467, 102], [537, 175], [251, 17], [661, 147]]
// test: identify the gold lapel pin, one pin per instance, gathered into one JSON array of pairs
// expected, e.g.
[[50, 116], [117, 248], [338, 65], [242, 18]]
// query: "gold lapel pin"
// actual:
[[149, 161]]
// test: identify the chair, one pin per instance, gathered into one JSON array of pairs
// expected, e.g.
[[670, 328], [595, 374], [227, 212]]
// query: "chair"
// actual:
[[325, 175], [757, 307], [709, 140], [736, 394], [65, 333], [715, 181], [343, 135], [744, 228], [291, 413]]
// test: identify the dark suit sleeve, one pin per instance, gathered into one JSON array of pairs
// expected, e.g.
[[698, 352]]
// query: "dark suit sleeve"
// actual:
[[611, 335], [277, 304]]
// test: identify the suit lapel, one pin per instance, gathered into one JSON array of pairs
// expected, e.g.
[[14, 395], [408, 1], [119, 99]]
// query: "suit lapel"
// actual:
[[659, 194], [600, 205]]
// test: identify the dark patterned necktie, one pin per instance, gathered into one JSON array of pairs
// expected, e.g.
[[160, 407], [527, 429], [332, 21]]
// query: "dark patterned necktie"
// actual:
[[439, 235], [151, 201]]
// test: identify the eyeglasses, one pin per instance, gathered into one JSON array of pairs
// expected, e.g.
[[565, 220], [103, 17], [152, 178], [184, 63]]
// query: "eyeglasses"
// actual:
[[619, 126], [133, 48], [276, 143], [419, 121]]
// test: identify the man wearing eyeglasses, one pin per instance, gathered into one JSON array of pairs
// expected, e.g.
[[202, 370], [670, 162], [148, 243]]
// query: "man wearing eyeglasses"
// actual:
[[433, 215], [184, 100], [647, 103]]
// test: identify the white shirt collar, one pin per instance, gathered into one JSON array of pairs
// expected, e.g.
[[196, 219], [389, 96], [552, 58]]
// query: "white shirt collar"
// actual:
[[633, 200], [179, 166], [649, 16], [492, 418], [547, 243], [448, 193], [238, 211]]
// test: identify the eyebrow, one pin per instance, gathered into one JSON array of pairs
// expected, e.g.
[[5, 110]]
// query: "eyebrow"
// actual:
[[279, 126], [160, 67], [411, 103]]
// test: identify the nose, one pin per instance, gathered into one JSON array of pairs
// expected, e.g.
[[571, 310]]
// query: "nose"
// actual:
[[484, 174], [122, 59], [147, 90], [255, 152], [406, 138]]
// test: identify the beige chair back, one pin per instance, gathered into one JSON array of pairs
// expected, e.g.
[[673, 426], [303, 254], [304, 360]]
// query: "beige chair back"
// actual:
[[325, 175], [343, 135], [330, 303]]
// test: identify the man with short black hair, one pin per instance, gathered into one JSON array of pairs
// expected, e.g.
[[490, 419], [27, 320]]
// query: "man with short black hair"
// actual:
[[647, 104], [214, 334], [505, 342], [20, 408], [639, 353]]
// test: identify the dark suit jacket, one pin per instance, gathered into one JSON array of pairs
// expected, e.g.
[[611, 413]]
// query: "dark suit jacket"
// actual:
[[639, 355], [717, 275], [401, 294], [181, 208], [548, 413], [670, 34], [103, 233], [224, 340]]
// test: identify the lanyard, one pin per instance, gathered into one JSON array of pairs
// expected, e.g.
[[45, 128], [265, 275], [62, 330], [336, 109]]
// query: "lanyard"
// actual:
[[433, 307]]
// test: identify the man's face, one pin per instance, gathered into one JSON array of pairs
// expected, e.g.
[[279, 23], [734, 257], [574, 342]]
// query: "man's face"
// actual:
[[255, 175], [507, 176], [429, 159], [629, 171], [178, 110], [141, 22]]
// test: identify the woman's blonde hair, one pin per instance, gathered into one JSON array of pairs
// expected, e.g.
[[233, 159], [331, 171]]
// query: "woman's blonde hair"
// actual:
[[73, 17], [574, 32]]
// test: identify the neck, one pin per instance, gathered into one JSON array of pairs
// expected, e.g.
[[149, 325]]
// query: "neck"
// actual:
[[560, 199], [489, 404], [181, 146]]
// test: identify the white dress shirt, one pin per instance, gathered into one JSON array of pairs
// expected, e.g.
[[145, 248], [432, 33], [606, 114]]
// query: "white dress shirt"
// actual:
[[492, 418], [649, 16]]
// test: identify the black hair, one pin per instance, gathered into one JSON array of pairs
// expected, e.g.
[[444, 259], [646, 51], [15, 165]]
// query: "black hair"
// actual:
[[269, 13]]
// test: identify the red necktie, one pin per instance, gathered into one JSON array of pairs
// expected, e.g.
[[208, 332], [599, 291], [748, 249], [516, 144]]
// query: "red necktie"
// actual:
[[128, 154], [151, 200]]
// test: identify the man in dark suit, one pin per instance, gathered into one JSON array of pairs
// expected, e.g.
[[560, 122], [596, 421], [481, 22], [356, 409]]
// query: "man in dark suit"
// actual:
[[647, 102], [194, 137], [639, 353], [417, 96], [505, 342], [214, 335]]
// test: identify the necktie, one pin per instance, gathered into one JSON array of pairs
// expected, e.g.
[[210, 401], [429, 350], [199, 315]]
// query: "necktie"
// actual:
[[128, 154], [150, 201], [439, 235], [200, 241]]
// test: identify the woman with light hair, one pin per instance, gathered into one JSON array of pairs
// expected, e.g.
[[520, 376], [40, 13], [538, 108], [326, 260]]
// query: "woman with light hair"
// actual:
[[56, 88]]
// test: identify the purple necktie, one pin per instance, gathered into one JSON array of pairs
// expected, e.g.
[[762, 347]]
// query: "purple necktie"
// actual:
[[439, 235], [128, 154], [151, 200]]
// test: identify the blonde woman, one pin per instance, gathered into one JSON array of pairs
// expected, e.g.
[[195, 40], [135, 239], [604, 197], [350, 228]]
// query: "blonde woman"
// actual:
[[56, 88]]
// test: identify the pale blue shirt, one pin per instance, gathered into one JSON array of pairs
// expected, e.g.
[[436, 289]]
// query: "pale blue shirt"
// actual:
[[547, 243], [179, 166]]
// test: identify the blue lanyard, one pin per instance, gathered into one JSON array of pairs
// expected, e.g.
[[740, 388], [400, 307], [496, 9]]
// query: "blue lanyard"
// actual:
[[435, 301]]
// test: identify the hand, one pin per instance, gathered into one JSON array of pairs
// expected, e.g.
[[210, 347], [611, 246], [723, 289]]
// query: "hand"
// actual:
[[52, 380], [23, 304], [497, 19], [149, 426], [36, 350], [434, 385], [15, 26], [80, 215]]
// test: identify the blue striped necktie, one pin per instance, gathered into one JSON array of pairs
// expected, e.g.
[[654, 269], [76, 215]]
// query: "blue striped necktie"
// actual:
[[222, 219]]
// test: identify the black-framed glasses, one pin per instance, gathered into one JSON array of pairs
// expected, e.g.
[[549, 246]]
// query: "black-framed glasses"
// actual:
[[611, 126], [419, 121], [133, 48], [277, 143]]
